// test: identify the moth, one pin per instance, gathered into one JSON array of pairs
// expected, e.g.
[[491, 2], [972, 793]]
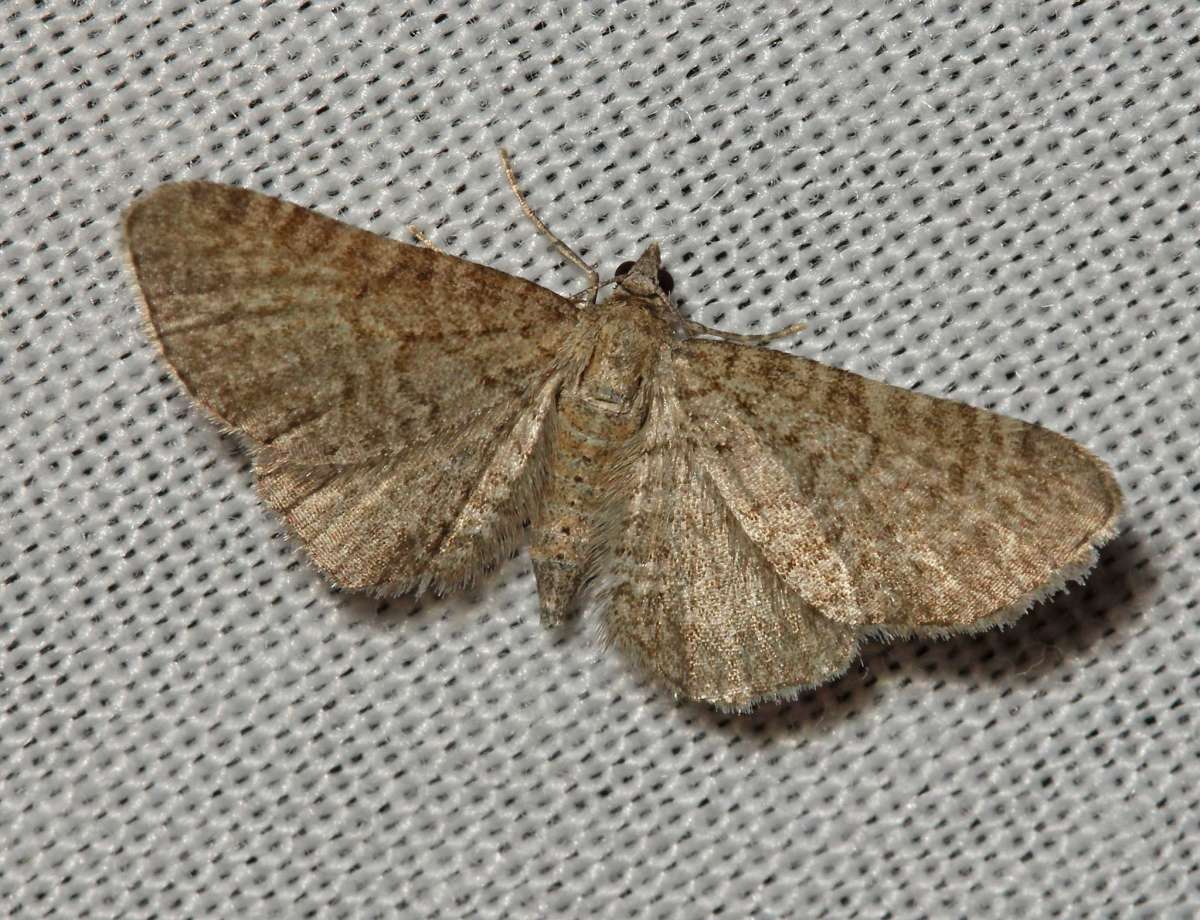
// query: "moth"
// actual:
[[740, 518]]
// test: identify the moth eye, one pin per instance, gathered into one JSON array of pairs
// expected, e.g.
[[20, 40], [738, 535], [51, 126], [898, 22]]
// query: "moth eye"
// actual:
[[665, 281], [623, 268]]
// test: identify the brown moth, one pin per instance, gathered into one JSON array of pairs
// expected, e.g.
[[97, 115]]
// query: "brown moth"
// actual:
[[743, 517]]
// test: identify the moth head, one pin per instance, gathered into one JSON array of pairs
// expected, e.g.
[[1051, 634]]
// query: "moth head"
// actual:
[[646, 277]]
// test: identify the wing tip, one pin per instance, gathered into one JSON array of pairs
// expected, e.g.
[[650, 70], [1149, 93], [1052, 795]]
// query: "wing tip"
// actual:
[[1075, 571], [143, 220], [162, 198]]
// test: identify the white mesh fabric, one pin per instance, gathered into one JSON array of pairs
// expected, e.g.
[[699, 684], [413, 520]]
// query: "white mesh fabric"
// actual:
[[990, 200]]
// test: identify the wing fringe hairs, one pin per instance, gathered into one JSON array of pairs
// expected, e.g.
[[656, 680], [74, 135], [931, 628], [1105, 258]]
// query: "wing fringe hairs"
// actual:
[[745, 518]]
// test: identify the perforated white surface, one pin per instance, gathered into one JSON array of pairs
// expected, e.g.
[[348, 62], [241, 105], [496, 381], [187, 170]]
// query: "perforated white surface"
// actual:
[[994, 200]]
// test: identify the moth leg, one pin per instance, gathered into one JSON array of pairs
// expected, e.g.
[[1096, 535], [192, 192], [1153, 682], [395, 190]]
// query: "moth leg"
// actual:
[[424, 240], [587, 295], [699, 329], [566, 251]]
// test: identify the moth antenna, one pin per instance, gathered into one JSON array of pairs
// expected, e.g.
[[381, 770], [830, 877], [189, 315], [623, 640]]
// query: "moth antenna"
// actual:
[[566, 251], [698, 329]]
